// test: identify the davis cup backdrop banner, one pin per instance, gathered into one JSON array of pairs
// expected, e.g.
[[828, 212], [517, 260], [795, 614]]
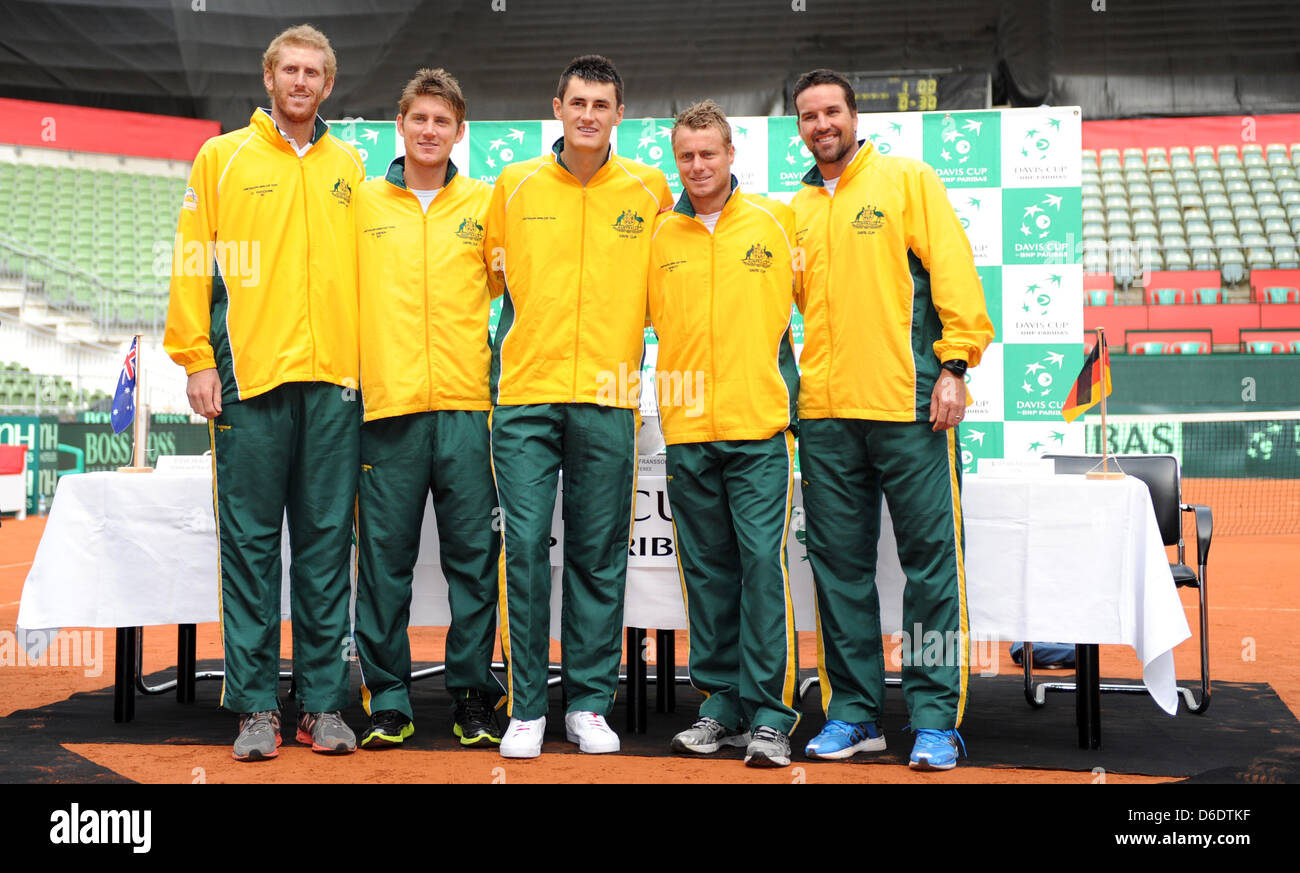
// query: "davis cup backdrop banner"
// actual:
[[1014, 178]]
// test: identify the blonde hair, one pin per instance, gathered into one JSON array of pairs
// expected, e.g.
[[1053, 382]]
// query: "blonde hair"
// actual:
[[434, 83], [703, 114], [302, 36]]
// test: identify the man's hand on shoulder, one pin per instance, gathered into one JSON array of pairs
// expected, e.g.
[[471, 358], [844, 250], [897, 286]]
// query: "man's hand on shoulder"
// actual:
[[947, 401], [204, 392]]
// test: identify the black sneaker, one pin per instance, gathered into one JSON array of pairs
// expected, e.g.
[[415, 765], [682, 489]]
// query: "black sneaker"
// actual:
[[476, 721], [388, 728]]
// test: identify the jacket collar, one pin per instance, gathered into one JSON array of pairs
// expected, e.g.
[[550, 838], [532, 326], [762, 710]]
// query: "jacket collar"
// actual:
[[866, 151], [396, 174], [687, 208], [265, 124], [558, 146]]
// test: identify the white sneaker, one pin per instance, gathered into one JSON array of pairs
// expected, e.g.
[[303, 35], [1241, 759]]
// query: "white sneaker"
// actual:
[[590, 732], [523, 739]]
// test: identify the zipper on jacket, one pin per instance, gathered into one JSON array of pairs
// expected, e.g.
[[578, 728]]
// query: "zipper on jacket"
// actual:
[[424, 270], [306, 220], [577, 336], [713, 339], [830, 333]]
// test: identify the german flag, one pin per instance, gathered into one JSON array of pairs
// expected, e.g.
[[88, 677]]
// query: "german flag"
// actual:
[[1087, 391]]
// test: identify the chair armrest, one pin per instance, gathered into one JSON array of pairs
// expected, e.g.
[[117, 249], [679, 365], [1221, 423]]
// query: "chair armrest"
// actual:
[[1204, 530]]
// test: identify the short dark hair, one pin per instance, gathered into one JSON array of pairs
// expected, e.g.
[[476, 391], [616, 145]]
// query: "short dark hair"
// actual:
[[592, 68], [824, 77]]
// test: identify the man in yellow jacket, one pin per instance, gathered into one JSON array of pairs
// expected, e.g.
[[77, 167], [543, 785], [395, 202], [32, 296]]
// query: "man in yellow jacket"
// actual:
[[263, 317], [893, 315], [424, 380], [720, 294], [568, 243]]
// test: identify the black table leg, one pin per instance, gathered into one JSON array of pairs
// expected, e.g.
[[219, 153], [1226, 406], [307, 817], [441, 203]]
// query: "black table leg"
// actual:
[[124, 674], [665, 672], [185, 662], [636, 680], [1087, 695]]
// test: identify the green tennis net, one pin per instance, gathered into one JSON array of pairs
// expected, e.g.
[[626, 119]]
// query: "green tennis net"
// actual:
[[1244, 466]]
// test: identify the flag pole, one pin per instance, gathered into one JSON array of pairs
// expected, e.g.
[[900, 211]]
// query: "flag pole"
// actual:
[[140, 425], [1103, 358]]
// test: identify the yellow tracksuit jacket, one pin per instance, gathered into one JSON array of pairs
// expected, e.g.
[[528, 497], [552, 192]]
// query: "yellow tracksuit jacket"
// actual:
[[424, 296], [889, 291], [571, 261], [264, 266], [720, 303]]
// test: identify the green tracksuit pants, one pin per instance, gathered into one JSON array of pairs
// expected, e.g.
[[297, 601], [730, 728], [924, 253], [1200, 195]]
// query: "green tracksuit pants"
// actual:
[[596, 447], [846, 464], [403, 459], [293, 450], [731, 505]]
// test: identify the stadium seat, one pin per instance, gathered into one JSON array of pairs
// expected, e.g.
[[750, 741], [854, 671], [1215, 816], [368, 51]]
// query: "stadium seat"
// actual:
[[1207, 295], [1265, 347], [1177, 259], [1164, 296], [1189, 347], [1148, 348], [1281, 295], [1098, 297]]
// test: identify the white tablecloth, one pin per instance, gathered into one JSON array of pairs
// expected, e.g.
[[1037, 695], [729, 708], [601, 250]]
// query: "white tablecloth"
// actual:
[[1057, 558]]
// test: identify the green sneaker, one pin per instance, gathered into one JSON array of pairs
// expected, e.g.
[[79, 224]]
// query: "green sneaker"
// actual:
[[388, 728]]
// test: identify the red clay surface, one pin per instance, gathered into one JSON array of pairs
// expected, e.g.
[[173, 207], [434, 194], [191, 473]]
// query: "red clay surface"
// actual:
[[1254, 595]]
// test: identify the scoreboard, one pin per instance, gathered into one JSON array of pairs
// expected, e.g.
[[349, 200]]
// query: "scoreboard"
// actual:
[[923, 91]]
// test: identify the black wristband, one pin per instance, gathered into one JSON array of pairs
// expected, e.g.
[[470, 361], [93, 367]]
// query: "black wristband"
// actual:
[[956, 366]]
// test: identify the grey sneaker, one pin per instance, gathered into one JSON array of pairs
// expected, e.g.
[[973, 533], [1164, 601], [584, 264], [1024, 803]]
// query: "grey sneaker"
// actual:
[[326, 732], [768, 747], [706, 736], [259, 736]]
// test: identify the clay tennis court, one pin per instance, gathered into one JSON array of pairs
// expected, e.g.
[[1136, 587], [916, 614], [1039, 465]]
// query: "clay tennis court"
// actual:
[[1254, 596]]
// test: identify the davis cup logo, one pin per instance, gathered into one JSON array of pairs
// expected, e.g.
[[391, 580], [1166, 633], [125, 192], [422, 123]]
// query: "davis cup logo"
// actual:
[[1037, 219], [1042, 225], [502, 147], [1040, 375], [496, 144], [1038, 148], [978, 441], [787, 157], [964, 147], [957, 146], [1037, 298], [1037, 145], [649, 142], [882, 143]]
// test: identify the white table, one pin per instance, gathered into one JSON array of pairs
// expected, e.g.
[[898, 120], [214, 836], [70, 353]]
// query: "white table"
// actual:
[[1056, 558]]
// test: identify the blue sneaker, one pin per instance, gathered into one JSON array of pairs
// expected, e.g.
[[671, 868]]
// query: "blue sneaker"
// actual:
[[841, 739], [936, 750]]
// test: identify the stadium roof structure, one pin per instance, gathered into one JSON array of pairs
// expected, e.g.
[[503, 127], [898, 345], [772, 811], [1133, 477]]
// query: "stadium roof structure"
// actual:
[[201, 58]]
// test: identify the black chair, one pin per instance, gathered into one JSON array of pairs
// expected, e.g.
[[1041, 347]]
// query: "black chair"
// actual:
[[1164, 481]]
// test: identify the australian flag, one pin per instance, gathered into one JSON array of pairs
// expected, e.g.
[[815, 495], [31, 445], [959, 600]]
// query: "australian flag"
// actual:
[[124, 397]]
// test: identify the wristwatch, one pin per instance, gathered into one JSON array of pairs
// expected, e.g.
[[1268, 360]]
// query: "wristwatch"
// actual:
[[955, 366]]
